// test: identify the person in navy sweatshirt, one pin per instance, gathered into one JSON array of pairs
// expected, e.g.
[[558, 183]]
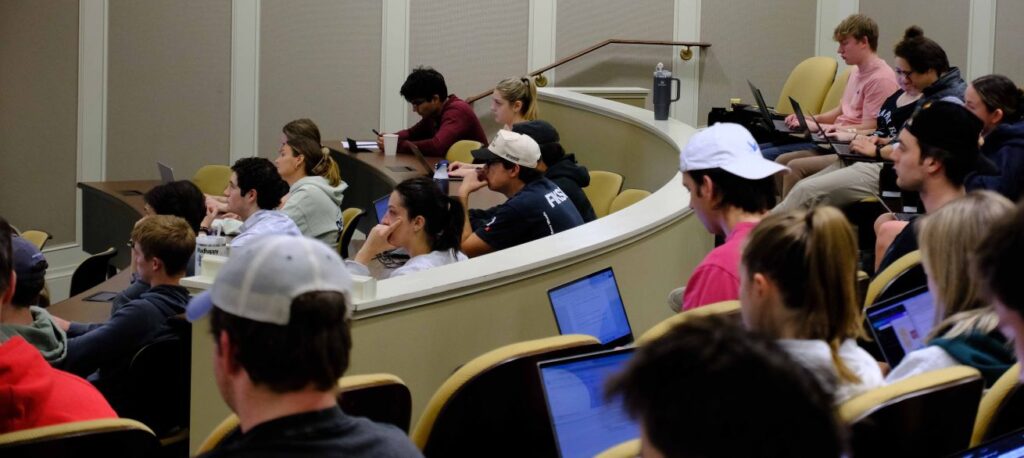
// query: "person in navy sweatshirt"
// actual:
[[1000, 105]]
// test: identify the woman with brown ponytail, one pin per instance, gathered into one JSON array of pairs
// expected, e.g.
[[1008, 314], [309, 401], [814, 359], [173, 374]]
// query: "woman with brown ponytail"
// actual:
[[314, 197], [797, 285], [999, 103]]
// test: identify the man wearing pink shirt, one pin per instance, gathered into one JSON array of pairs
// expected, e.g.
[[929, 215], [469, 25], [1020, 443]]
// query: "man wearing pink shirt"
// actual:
[[731, 188]]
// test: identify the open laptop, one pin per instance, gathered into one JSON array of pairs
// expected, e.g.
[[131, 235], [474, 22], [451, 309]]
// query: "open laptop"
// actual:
[[380, 207], [428, 169], [1009, 445], [583, 422], [166, 173], [901, 324], [593, 306], [775, 122]]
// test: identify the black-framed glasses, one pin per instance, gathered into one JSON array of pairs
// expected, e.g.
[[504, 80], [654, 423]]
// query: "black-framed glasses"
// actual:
[[900, 73], [130, 244]]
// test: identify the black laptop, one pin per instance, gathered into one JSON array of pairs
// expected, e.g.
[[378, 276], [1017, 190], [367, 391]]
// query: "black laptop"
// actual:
[[583, 422], [901, 324], [774, 122], [1009, 445], [593, 306]]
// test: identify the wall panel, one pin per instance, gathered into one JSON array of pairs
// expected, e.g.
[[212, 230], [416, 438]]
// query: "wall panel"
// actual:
[[1009, 36]]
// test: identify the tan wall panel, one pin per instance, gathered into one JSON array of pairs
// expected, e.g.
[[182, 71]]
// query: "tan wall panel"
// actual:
[[474, 44], [945, 21], [319, 60], [583, 23], [38, 115], [1009, 36], [751, 39], [169, 86]]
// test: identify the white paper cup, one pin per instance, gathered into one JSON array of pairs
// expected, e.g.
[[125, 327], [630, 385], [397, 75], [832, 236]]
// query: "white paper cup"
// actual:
[[390, 144]]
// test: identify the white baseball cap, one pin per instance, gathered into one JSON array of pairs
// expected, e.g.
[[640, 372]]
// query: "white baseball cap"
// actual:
[[729, 147], [510, 146], [260, 281]]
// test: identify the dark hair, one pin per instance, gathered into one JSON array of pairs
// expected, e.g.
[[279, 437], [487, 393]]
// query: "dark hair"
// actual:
[[709, 388], [551, 153], [303, 127], [6, 255], [424, 83], [752, 196], [443, 214], [921, 53], [259, 174], [998, 92], [997, 260], [312, 348], [953, 166], [317, 160], [179, 198]]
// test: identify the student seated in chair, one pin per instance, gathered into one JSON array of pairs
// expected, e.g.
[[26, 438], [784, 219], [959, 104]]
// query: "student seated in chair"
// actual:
[[253, 194], [536, 207], [315, 189], [34, 394], [161, 246], [997, 265], [799, 286], [279, 317], [999, 103], [937, 149], [559, 167], [446, 118], [966, 331], [731, 188], [21, 315], [711, 389], [420, 219]]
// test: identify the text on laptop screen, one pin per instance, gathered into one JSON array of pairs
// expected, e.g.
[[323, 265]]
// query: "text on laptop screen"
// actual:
[[381, 207], [584, 423], [903, 325], [592, 306]]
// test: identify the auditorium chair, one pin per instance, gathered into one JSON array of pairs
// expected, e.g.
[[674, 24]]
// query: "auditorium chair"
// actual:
[[930, 414], [603, 188], [1001, 410], [904, 274], [460, 151], [835, 92], [626, 198], [350, 220], [730, 309], [94, 270], [103, 437], [493, 405], [36, 238], [212, 179], [383, 398], [628, 449], [808, 83]]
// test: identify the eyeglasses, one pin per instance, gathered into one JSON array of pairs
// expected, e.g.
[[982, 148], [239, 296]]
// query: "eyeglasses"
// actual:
[[900, 73], [130, 244]]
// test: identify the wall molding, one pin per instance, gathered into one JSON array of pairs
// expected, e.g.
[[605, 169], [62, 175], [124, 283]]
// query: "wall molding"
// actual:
[[541, 50], [245, 78], [686, 27], [830, 12], [981, 39], [394, 63]]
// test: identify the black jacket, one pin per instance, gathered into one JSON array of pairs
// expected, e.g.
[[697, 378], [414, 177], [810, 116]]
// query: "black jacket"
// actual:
[[572, 178]]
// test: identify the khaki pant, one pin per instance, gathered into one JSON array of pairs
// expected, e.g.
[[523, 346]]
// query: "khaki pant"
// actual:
[[835, 185]]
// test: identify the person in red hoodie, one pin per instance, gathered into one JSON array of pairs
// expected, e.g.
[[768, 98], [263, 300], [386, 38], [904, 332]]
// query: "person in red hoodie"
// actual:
[[33, 394]]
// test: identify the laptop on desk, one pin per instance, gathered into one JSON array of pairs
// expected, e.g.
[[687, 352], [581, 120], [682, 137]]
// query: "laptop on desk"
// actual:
[[166, 173], [593, 306], [582, 421], [901, 324], [774, 121]]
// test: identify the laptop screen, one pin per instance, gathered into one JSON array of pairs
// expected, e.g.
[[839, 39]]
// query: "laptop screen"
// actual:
[[901, 324], [166, 173], [584, 424], [380, 206], [592, 306], [1010, 445]]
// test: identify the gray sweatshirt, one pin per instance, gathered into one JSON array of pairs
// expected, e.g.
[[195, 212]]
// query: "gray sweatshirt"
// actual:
[[315, 206]]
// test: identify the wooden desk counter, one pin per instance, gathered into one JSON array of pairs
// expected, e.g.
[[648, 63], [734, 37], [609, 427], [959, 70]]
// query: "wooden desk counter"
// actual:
[[77, 309], [109, 212]]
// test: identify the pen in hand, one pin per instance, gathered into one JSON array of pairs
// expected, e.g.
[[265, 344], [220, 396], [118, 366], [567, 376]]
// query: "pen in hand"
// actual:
[[375, 132]]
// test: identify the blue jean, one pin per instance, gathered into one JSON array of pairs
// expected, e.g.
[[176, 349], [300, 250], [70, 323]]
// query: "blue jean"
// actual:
[[772, 152]]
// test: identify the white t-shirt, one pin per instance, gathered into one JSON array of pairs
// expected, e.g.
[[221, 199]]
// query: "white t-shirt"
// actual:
[[816, 356], [414, 264], [927, 359]]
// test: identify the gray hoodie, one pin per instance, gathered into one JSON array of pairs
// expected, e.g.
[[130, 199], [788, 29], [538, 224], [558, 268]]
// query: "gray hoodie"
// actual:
[[315, 206], [42, 334]]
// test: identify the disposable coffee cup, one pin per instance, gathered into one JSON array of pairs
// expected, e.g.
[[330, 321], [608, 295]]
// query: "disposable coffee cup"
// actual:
[[390, 144], [209, 244]]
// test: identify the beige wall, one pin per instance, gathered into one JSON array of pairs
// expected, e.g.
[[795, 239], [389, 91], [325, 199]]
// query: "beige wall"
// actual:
[[762, 44], [583, 23], [168, 86], [945, 21], [319, 59], [1009, 37], [39, 115], [474, 44]]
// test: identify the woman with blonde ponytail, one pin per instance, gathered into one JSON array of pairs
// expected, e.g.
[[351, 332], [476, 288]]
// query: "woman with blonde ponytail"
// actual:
[[514, 100], [314, 197], [798, 284]]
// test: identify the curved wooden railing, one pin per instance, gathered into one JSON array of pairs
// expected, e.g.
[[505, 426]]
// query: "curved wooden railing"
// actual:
[[685, 54]]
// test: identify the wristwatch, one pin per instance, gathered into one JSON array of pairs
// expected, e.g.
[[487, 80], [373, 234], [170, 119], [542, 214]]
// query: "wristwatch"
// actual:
[[878, 150]]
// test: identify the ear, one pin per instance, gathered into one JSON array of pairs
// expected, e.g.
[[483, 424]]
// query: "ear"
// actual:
[[225, 354], [419, 222], [760, 287], [5, 296], [517, 106], [250, 196], [514, 171], [706, 188], [931, 165], [435, 98], [157, 264], [997, 116]]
